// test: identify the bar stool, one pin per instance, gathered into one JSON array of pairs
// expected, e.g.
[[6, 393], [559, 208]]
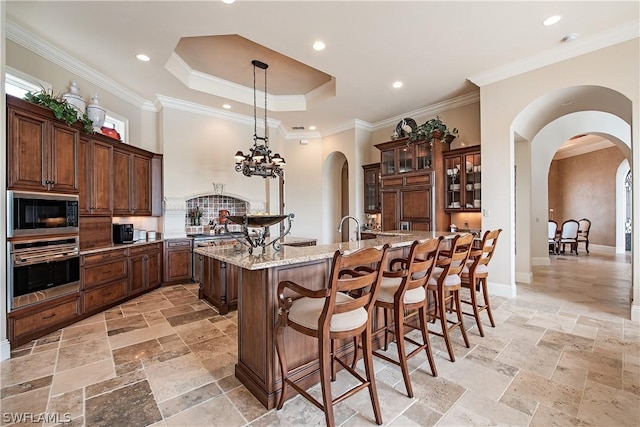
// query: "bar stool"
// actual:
[[329, 314], [445, 284], [403, 292], [474, 277]]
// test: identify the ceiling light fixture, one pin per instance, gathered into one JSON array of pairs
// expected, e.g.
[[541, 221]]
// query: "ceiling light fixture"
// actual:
[[318, 45], [142, 57], [552, 20], [312, 128], [228, 1], [226, 106], [259, 161], [569, 38], [397, 85]]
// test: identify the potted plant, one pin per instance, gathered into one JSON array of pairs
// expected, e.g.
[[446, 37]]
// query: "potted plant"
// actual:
[[60, 107], [434, 129], [195, 214]]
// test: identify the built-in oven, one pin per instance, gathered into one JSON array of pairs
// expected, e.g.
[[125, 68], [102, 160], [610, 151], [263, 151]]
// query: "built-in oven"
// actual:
[[37, 214], [41, 269]]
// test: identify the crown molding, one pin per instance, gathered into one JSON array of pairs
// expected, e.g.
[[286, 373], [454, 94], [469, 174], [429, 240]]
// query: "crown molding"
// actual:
[[51, 53], [561, 53], [430, 110], [204, 110]]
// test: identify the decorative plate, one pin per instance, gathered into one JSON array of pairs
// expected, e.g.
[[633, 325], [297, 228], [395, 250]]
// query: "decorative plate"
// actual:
[[402, 129]]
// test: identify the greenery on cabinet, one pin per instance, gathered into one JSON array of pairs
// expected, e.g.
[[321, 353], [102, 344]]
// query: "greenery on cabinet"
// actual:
[[60, 108], [434, 129]]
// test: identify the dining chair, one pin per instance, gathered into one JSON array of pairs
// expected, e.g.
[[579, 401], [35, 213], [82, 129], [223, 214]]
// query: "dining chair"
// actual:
[[403, 293], [474, 277], [552, 236], [569, 235], [445, 284], [331, 314], [583, 232]]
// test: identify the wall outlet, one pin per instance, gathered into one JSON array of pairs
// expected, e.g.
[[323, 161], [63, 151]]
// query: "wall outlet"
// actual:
[[486, 213]]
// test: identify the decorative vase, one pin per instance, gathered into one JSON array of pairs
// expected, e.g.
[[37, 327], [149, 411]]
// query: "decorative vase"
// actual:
[[75, 100], [96, 113]]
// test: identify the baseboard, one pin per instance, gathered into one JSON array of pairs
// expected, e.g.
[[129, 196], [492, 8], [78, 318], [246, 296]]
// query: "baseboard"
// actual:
[[524, 277], [501, 290], [598, 248], [5, 350], [635, 313]]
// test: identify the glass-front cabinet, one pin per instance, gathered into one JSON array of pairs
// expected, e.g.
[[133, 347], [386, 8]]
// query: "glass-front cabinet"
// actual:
[[372, 188], [402, 156], [463, 176]]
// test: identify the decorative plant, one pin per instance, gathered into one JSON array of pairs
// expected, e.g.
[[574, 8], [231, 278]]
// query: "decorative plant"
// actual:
[[195, 214], [60, 108], [434, 129]]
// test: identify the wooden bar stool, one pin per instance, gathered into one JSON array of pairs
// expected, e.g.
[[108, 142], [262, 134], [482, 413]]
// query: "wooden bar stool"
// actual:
[[403, 292], [329, 314], [474, 277], [445, 284]]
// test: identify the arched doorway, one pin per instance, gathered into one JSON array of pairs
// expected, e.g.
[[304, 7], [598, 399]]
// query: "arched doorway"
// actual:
[[335, 195]]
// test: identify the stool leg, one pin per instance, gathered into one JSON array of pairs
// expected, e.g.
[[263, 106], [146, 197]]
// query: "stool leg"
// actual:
[[367, 355], [456, 298], [474, 303], [283, 363], [325, 379], [422, 313], [485, 295], [398, 313], [442, 313]]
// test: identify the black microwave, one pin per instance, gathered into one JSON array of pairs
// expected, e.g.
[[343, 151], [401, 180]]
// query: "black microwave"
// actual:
[[35, 214]]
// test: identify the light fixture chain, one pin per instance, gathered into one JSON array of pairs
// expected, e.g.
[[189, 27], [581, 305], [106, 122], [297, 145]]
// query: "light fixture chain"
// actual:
[[266, 128]]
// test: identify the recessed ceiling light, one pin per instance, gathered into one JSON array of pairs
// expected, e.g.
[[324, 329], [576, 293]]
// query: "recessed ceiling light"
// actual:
[[142, 57], [552, 20], [397, 84], [312, 128], [569, 38], [226, 106], [318, 45], [228, 1]]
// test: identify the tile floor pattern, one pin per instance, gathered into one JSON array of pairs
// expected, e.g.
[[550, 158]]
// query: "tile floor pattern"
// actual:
[[563, 353]]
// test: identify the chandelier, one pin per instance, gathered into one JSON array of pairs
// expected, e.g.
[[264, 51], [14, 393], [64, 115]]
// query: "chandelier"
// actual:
[[260, 161]]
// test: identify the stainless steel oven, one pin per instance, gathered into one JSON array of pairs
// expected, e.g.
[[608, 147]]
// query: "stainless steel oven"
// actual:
[[37, 214], [40, 269]]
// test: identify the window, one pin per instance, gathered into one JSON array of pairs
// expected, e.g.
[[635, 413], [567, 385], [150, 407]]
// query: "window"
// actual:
[[18, 84]]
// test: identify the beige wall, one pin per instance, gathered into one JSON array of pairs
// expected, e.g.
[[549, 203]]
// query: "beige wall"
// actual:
[[501, 104], [585, 187]]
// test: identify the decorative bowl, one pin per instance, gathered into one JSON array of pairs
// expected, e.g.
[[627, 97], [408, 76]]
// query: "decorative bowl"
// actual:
[[256, 220]]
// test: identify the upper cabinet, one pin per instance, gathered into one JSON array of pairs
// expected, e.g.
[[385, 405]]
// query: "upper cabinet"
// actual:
[[372, 188], [137, 183], [463, 177], [42, 152], [95, 169], [400, 156]]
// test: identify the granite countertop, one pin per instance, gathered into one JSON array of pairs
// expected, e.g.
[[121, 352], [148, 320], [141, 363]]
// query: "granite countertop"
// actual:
[[289, 255], [119, 246]]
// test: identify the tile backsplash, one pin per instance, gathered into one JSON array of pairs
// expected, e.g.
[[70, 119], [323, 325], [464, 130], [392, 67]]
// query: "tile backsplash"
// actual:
[[211, 205]]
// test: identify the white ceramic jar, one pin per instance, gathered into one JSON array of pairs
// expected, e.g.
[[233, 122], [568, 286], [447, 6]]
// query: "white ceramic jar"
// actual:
[[96, 113], [74, 99]]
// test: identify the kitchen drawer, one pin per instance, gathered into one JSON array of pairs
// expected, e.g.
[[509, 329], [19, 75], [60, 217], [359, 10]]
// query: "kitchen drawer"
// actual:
[[182, 243], [143, 249], [104, 296], [101, 257], [43, 316], [424, 179], [105, 272]]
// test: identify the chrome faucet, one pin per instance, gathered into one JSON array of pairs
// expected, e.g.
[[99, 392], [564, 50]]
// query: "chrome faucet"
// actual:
[[357, 225]]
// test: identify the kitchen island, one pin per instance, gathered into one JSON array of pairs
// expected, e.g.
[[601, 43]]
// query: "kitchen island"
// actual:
[[257, 277]]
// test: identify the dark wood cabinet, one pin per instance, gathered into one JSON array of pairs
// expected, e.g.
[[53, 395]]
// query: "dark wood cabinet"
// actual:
[[42, 152], [137, 183], [95, 166], [177, 261], [36, 320], [372, 202], [103, 279], [145, 267], [463, 177], [219, 284], [411, 187]]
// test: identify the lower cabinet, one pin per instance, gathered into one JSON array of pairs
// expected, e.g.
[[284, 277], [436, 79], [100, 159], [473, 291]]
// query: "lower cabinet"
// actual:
[[37, 320], [145, 267], [219, 284], [177, 261], [103, 278]]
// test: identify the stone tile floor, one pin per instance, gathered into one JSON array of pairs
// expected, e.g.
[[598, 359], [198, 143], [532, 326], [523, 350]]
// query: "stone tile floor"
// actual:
[[563, 353]]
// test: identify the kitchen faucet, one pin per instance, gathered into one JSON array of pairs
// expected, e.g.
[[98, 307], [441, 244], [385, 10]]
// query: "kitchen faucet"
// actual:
[[357, 225]]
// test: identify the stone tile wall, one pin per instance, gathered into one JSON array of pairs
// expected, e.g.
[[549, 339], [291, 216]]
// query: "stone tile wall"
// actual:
[[211, 205]]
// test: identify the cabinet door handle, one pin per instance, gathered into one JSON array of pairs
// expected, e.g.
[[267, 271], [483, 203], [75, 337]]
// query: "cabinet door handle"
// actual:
[[48, 317]]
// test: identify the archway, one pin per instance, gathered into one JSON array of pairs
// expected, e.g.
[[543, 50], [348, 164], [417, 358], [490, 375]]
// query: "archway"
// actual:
[[334, 194]]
